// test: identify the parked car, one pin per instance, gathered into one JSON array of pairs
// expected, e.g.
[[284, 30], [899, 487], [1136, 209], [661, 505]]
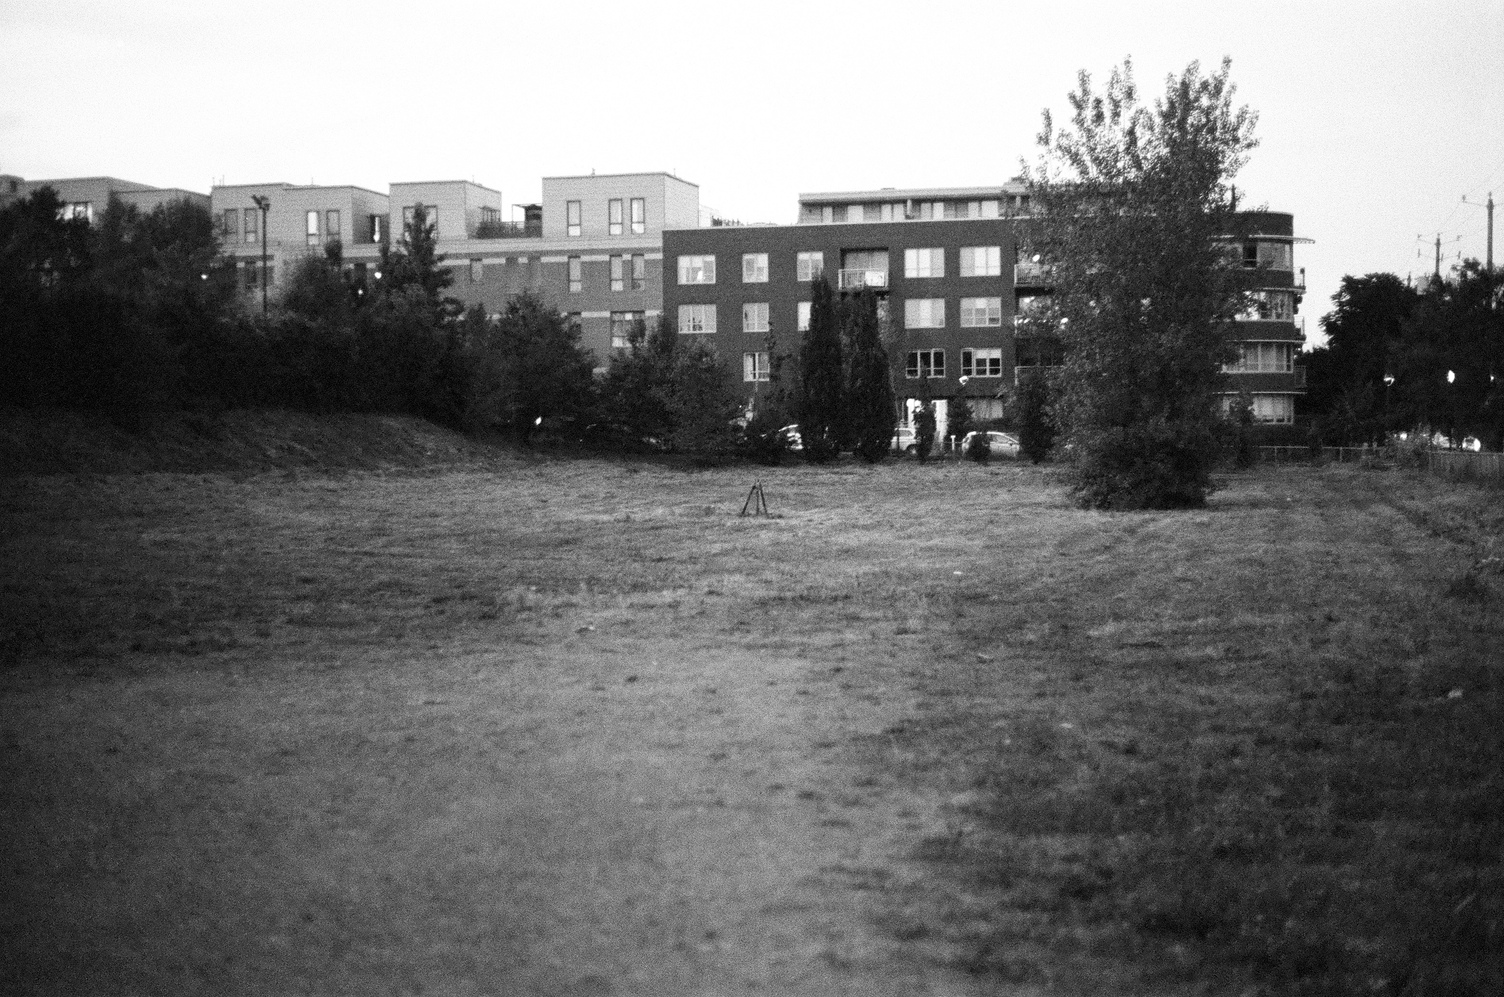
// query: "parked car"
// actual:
[[790, 437], [905, 440], [1001, 444]]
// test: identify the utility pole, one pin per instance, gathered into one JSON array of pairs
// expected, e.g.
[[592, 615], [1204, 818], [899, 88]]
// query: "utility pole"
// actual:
[[1490, 207]]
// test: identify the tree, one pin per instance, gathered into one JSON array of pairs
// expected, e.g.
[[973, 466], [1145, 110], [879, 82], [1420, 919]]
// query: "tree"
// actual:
[[869, 390], [1132, 201], [820, 377], [1031, 414], [537, 368], [924, 430], [1365, 335], [702, 401], [634, 390], [416, 263]]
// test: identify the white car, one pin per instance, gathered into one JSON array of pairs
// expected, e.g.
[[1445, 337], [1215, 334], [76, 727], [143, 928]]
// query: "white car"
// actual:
[[1000, 444]]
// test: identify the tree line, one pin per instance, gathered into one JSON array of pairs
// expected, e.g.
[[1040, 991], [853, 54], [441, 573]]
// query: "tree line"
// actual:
[[139, 312], [1400, 358]]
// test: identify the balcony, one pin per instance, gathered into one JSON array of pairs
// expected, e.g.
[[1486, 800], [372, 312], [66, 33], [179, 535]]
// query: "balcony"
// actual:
[[856, 280], [1031, 275], [1299, 283]]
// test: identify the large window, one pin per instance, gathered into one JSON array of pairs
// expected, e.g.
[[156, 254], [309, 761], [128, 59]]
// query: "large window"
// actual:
[[981, 261], [613, 216], [229, 226], [803, 322], [755, 316], [576, 274], [1263, 358], [639, 271], [754, 268], [924, 263], [1266, 408], [811, 265], [639, 215], [924, 313], [925, 363], [697, 269], [977, 313], [622, 326], [754, 366], [696, 319], [252, 224], [77, 209], [331, 225], [618, 273], [313, 228], [1269, 306], [572, 218], [982, 363]]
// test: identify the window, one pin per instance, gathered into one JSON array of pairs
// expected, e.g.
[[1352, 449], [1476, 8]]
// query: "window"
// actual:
[[925, 363], [856, 213], [639, 272], [924, 263], [576, 274], [252, 221], [613, 216], [981, 261], [1269, 306], [811, 265], [754, 366], [229, 225], [252, 281], [697, 269], [639, 215], [77, 209], [572, 217], [979, 312], [891, 212], [696, 318], [313, 228], [924, 313], [804, 316], [755, 316], [622, 326], [477, 271], [331, 226], [754, 268], [1262, 358], [1274, 255], [378, 228], [828, 213], [618, 271], [982, 363], [1266, 408]]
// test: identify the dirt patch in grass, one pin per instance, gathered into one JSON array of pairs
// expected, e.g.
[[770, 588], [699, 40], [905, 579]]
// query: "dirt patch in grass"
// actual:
[[575, 727]]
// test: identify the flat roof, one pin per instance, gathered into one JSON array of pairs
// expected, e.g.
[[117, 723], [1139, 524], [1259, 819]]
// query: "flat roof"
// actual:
[[418, 183], [920, 193], [646, 173]]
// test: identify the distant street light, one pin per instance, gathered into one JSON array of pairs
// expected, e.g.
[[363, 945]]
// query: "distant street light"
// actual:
[[264, 204]]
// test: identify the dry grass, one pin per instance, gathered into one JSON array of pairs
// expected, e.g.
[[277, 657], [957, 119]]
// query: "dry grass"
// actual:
[[575, 727]]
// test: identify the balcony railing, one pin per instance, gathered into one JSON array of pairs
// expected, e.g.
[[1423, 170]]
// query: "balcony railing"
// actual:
[[1031, 275], [1299, 283], [855, 280]]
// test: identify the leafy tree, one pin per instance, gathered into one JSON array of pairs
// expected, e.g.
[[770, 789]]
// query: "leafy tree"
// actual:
[[1134, 199], [538, 368], [1365, 334], [1031, 414], [702, 401], [869, 390], [959, 418], [820, 376], [1448, 368], [1240, 422], [634, 389]]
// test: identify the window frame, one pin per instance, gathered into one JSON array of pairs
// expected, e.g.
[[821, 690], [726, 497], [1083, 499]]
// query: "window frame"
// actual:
[[574, 216], [575, 273], [756, 270], [252, 224], [801, 315], [702, 315], [928, 306], [614, 217], [989, 354], [809, 265], [618, 273], [759, 315], [639, 209], [912, 267], [991, 309], [992, 261], [702, 264], [639, 271], [920, 364], [755, 367]]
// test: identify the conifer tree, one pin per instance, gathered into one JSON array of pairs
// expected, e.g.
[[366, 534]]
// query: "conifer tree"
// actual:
[[820, 377], [869, 392]]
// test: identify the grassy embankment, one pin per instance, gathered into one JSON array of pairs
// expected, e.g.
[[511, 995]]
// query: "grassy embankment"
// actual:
[[252, 726]]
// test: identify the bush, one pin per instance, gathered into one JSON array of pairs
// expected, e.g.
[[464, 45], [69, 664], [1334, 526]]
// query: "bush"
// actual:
[[1148, 465], [979, 449]]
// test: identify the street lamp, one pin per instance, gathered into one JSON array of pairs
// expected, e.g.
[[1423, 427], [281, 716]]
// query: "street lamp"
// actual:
[[264, 204]]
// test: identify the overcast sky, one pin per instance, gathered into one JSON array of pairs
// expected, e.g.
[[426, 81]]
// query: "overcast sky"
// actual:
[[1375, 118]]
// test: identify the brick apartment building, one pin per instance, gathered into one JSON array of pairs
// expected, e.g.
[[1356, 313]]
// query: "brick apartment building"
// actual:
[[950, 267]]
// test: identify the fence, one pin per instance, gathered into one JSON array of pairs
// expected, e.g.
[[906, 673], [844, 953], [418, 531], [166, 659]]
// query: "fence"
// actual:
[[1454, 465]]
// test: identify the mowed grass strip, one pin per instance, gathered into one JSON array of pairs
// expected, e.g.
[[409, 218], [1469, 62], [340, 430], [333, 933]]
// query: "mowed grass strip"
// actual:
[[1254, 745]]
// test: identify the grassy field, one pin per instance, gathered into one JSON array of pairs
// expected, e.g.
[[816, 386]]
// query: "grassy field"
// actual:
[[574, 727]]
